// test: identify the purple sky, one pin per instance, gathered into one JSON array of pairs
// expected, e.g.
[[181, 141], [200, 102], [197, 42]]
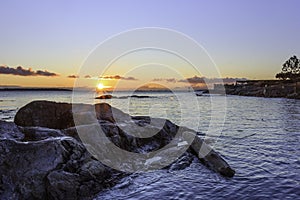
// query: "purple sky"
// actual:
[[245, 38]]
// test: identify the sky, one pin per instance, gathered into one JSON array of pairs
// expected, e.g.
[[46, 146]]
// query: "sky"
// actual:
[[245, 39]]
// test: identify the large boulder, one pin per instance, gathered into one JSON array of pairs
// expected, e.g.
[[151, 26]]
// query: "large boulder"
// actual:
[[45, 114], [43, 156], [60, 115], [121, 128], [59, 168]]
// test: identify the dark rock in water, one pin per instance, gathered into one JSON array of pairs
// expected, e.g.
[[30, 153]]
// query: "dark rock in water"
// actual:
[[59, 168], [140, 96], [211, 158], [45, 114], [58, 115], [107, 117], [42, 160], [182, 162], [134, 96], [106, 96]]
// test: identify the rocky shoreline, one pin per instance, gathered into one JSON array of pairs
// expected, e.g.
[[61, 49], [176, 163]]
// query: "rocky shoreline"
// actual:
[[42, 156], [268, 89]]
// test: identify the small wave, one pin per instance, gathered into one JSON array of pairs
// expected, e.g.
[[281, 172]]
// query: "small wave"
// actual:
[[7, 111], [243, 137]]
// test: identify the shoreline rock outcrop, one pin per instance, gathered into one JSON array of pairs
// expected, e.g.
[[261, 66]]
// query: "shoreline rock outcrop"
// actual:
[[42, 156], [268, 89]]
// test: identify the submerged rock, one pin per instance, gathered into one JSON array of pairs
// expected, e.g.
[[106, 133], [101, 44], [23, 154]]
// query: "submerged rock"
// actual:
[[44, 158], [140, 96], [106, 96]]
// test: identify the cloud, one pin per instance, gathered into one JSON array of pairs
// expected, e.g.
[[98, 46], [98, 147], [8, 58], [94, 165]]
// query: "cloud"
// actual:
[[233, 80], [118, 77], [196, 80], [169, 80], [73, 76], [45, 73], [193, 80], [87, 76], [130, 78], [203, 80], [20, 71], [158, 79]]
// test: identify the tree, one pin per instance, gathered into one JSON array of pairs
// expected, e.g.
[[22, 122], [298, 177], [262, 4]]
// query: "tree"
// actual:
[[290, 69]]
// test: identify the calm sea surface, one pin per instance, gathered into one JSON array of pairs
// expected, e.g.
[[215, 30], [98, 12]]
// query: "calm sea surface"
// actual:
[[260, 139]]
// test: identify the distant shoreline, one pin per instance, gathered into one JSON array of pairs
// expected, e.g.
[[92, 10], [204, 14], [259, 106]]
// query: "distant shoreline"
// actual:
[[265, 88], [65, 89], [35, 89]]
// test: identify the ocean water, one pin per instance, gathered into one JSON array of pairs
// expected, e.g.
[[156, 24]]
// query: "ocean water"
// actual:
[[259, 138]]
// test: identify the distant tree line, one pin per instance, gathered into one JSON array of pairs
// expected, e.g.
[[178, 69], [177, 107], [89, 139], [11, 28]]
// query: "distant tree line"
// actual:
[[290, 69]]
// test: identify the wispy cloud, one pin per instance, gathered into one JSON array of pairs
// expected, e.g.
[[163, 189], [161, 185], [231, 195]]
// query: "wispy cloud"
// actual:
[[118, 77], [195, 80], [73, 76], [20, 71], [87, 76], [169, 80]]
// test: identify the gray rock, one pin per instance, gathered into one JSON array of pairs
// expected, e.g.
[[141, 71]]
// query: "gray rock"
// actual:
[[44, 158], [58, 168], [211, 158], [39, 133], [60, 115], [9, 130], [106, 96], [45, 114], [111, 120]]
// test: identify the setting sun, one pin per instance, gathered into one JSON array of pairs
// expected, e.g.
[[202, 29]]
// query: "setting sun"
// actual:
[[100, 86]]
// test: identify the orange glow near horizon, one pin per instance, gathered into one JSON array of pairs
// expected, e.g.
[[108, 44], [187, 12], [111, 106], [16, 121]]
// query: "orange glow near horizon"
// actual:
[[102, 87]]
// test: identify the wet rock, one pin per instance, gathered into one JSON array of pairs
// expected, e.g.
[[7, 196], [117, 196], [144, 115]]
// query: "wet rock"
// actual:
[[43, 157], [140, 134], [50, 169], [106, 96], [182, 162], [140, 96], [39, 133], [60, 115], [211, 158], [45, 114], [9, 130], [269, 89], [135, 96]]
